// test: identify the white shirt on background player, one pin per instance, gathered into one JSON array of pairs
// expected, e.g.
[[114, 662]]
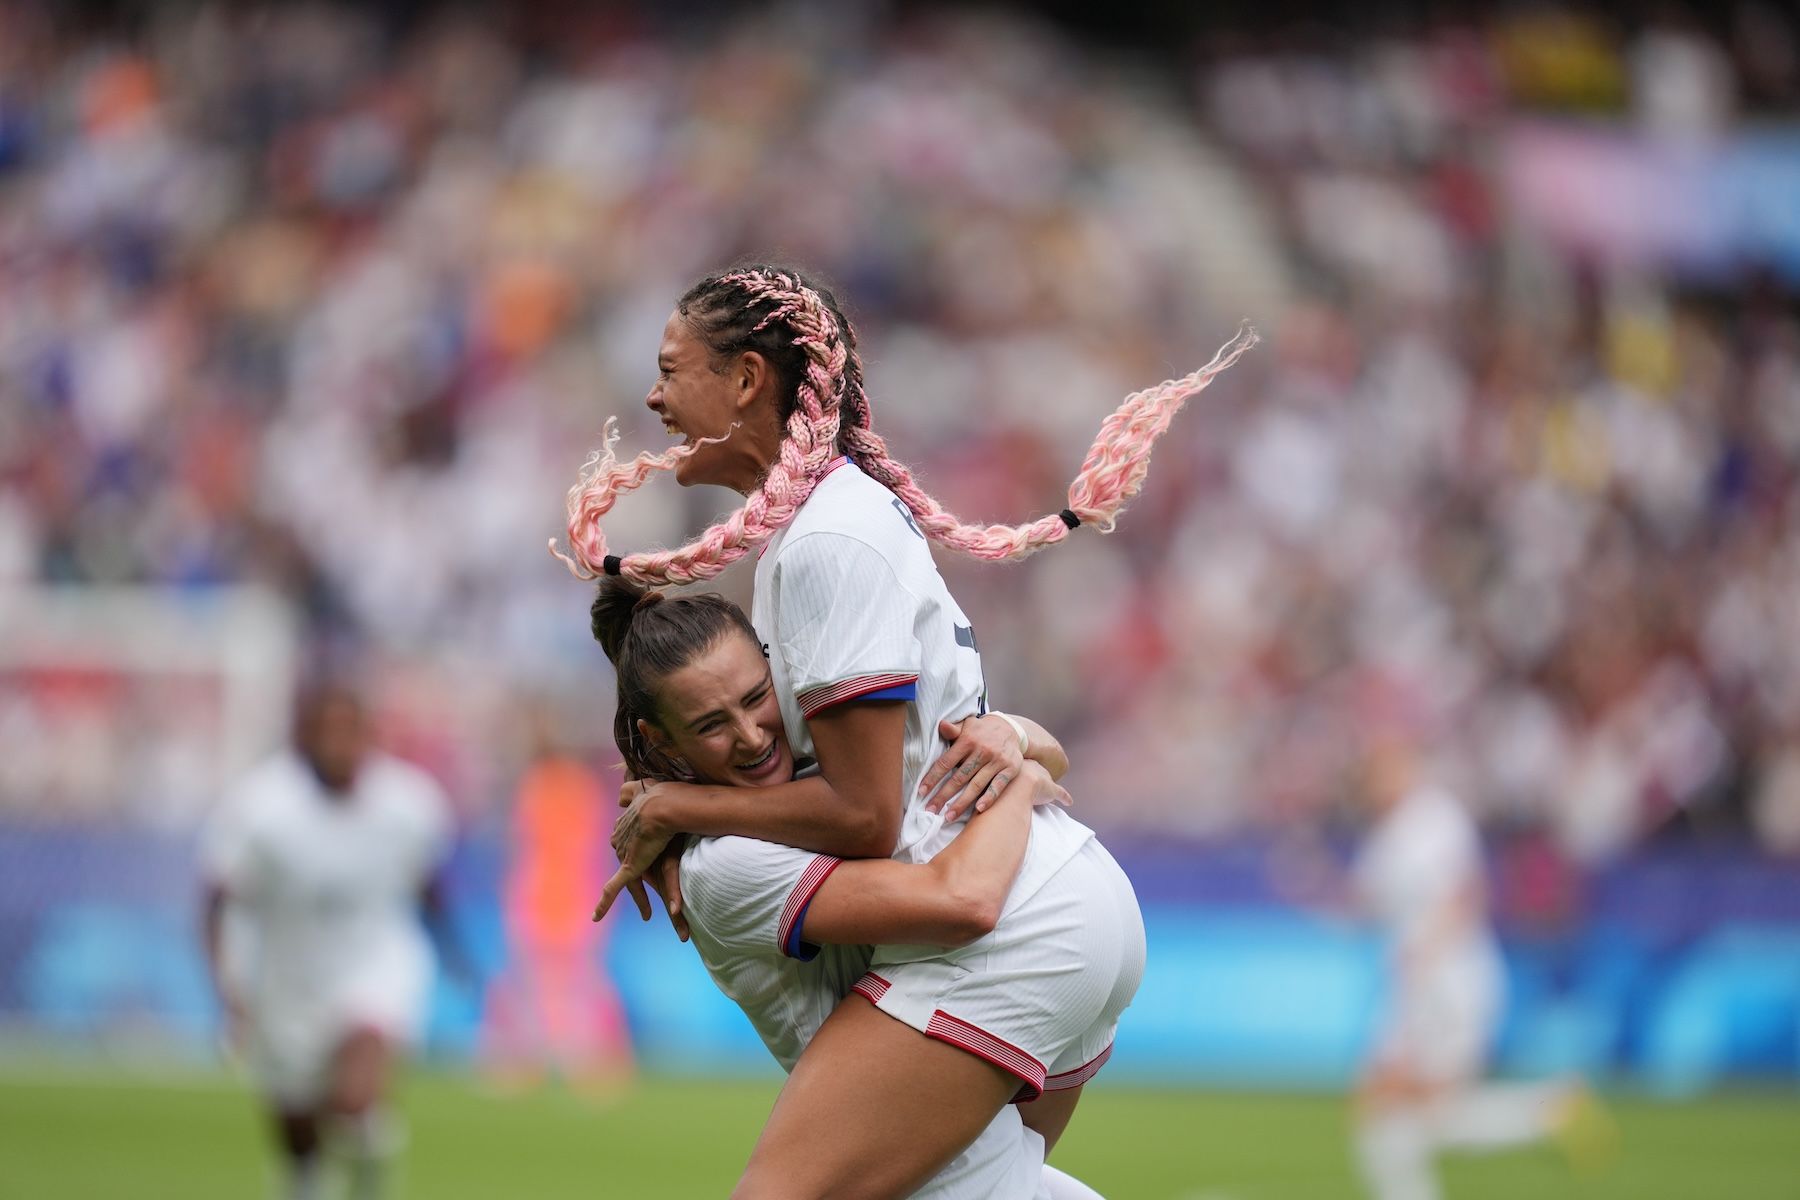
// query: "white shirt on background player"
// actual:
[[849, 605], [327, 888], [1421, 876], [1423, 858], [746, 905]]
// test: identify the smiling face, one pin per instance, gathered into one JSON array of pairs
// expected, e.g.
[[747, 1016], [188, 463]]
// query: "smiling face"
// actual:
[[720, 716], [696, 399]]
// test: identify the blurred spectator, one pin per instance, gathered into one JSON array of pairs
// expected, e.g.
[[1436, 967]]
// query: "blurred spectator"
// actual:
[[295, 299]]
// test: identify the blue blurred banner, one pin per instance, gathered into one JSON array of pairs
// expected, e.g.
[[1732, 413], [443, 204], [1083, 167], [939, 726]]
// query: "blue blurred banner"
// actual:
[[1705, 208], [1682, 972]]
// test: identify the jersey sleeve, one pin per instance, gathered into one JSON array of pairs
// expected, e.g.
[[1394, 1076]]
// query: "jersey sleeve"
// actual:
[[436, 826], [845, 623], [751, 896]]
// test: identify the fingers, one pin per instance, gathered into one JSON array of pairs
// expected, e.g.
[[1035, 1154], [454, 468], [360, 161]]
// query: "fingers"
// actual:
[[611, 891], [992, 791], [640, 898], [973, 790], [668, 880], [948, 762], [950, 730]]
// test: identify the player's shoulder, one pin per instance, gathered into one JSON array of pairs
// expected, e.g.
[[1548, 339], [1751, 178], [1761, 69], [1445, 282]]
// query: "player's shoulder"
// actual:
[[406, 785], [268, 787], [848, 503], [852, 525], [740, 881], [731, 857], [1436, 816]]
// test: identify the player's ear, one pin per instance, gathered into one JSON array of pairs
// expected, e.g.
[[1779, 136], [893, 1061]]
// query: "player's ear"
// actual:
[[753, 376], [653, 737]]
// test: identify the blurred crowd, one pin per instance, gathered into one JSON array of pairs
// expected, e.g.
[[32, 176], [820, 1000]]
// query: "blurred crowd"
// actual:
[[299, 297]]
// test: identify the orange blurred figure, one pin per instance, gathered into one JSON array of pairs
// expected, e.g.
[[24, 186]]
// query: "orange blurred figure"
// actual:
[[556, 1012]]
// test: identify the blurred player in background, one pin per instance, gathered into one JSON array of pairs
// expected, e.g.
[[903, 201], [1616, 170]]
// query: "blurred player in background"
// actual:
[[317, 865], [555, 1010], [1420, 876]]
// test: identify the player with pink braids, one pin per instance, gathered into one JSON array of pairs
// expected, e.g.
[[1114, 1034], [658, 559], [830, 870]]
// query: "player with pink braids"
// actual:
[[873, 662], [828, 414]]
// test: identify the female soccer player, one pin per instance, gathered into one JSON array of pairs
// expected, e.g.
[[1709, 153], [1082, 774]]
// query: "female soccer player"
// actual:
[[786, 933], [1420, 875], [758, 373], [324, 853]]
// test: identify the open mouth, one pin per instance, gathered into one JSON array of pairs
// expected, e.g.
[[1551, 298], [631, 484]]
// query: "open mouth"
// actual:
[[763, 761]]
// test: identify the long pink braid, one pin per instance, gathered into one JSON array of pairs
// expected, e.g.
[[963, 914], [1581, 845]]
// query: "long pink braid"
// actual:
[[1110, 477], [810, 444]]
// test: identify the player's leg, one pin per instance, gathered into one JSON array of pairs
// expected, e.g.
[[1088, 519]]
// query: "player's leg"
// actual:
[[298, 1134], [873, 1109], [1501, 1116], [1050, 1114], [1496, 1116], [1393, 1134], [363, 1128], [289, 1056]]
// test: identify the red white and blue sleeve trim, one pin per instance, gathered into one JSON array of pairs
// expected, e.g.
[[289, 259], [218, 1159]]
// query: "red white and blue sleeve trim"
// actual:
[[892, 685], [793, 913]]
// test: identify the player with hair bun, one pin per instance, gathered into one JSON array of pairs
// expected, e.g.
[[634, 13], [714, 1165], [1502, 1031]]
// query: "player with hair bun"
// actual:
[[869, 655], [786, 933]]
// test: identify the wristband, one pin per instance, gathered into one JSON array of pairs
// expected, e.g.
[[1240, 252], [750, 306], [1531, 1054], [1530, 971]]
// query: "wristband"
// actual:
[[1024, 738]]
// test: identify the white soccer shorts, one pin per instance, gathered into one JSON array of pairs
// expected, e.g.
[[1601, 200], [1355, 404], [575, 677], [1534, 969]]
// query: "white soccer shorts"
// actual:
[[294, 1040], [1039, 997], [1442, 1019]]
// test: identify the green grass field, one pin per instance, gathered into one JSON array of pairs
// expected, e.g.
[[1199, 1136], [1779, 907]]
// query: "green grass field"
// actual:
[[89, 1135]]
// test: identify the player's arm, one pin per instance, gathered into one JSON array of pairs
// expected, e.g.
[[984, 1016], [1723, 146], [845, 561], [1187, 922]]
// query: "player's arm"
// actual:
[[851, 809], [215, 901], [212, 932], [951, 900]]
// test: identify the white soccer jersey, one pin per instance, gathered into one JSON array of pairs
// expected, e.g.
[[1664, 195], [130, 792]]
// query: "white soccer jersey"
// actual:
[[1413, 875], [329, 886], [849, 605], [746, 904], [1422, 858], [745, 900]]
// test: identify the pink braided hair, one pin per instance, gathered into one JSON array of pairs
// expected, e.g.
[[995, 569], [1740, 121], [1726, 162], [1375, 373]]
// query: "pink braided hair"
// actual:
[[764, 302]]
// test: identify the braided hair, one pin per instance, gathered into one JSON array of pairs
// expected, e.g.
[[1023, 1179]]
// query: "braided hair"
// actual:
[[825, 411]]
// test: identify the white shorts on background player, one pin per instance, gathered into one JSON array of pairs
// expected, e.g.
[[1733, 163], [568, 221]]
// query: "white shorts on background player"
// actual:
[[1419, 866], [324, 937], [746, 902]]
